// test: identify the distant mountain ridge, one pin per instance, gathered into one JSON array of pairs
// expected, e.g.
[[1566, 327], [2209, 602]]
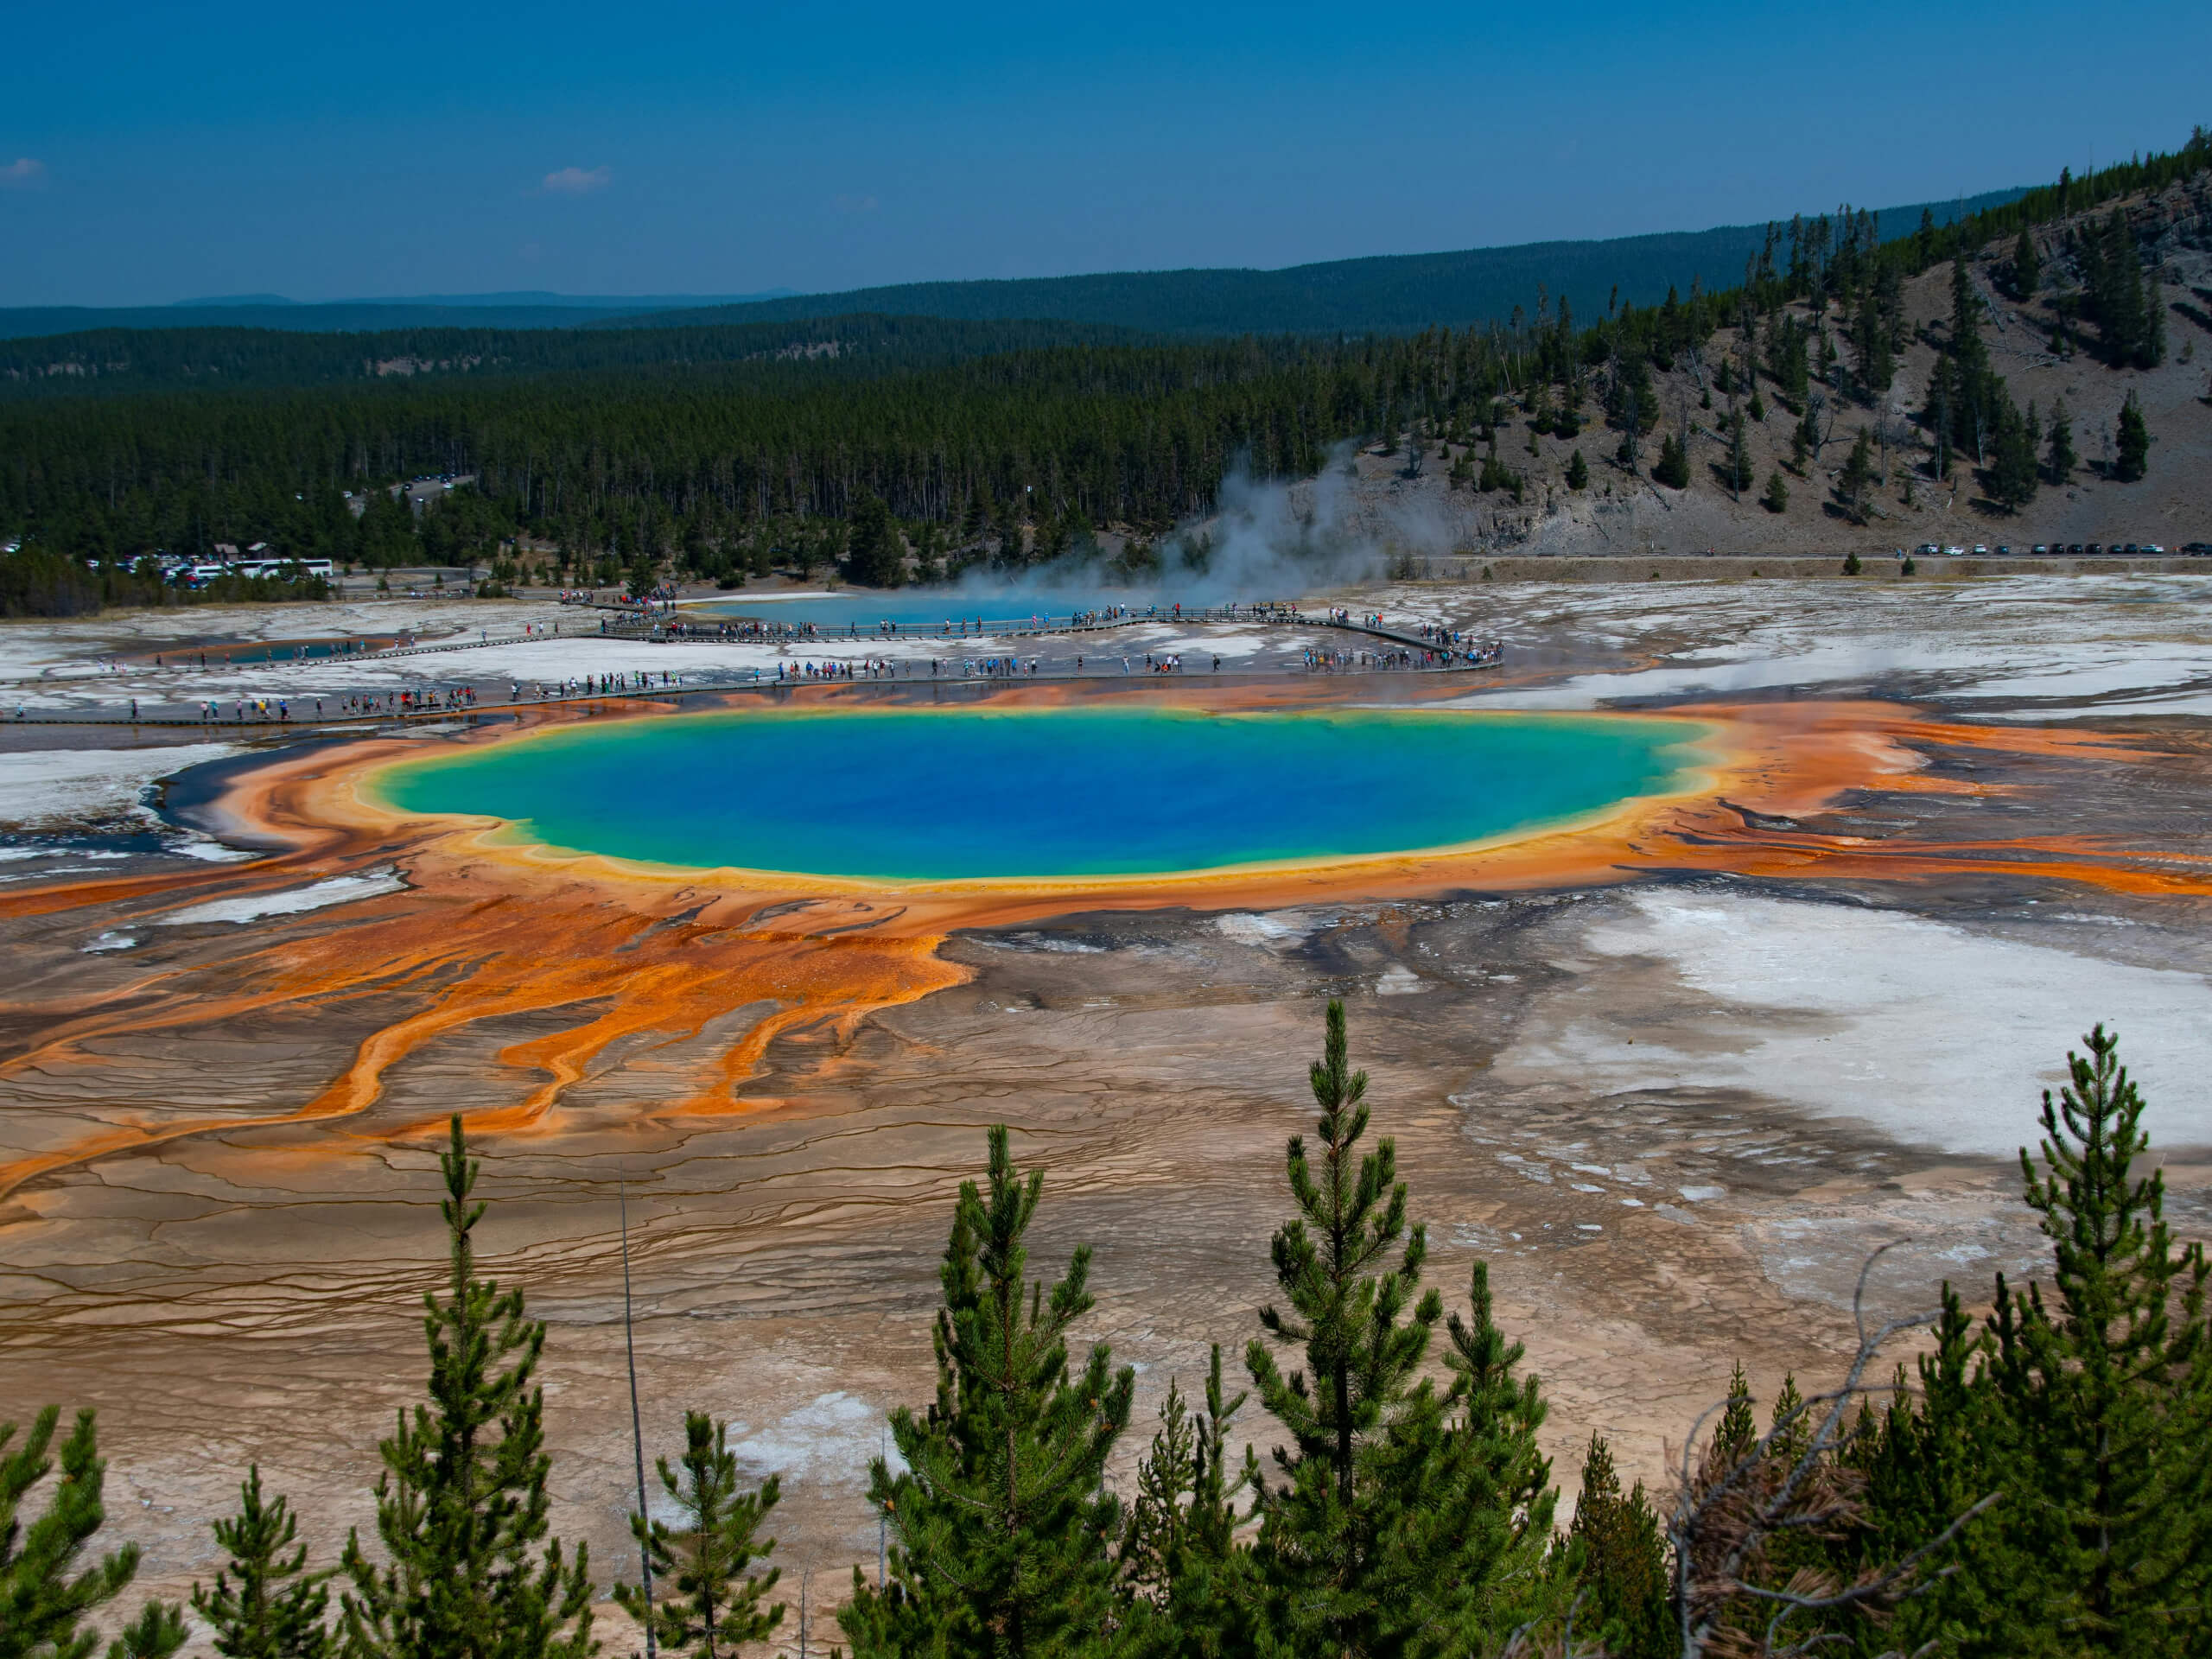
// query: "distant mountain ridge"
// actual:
[[26, 322], [518, 310], [1380, 294], [527, 296]]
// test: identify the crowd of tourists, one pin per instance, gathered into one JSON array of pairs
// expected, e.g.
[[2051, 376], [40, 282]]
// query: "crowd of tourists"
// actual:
[[867, 668], [744, 630]]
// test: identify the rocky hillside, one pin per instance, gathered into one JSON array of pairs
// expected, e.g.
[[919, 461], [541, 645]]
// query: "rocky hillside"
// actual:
[[2036, 340]]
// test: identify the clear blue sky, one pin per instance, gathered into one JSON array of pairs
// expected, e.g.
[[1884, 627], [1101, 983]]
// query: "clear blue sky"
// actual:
[[154, 152]]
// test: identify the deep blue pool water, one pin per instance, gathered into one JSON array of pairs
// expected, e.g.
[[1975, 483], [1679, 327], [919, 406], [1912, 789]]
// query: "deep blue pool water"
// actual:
[[958, 794]]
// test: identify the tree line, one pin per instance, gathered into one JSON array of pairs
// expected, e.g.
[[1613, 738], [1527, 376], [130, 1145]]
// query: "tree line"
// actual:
[[2033, 1484], [109, 361]]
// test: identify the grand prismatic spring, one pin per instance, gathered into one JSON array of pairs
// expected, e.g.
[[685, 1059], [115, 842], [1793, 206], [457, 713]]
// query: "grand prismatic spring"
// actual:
[[713, 642], [1655, 942], [999, 796]]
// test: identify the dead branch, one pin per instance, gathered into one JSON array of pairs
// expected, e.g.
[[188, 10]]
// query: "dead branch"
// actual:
[[1731, 1503]]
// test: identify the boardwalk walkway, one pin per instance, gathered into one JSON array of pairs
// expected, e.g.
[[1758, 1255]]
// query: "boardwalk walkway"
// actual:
[[821, 644], [1035, 628]]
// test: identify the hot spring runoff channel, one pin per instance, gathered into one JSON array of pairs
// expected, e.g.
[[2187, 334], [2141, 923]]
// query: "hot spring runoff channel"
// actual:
[[963, 794]]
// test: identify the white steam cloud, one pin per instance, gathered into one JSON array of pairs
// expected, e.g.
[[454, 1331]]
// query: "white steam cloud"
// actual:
[[1267, 538]]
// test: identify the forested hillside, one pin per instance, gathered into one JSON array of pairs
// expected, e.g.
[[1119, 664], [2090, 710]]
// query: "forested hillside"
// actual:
[[1014, 454], [1389, 294]]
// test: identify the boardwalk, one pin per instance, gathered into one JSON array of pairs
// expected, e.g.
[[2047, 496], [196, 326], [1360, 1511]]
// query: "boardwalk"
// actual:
[[276, 710]]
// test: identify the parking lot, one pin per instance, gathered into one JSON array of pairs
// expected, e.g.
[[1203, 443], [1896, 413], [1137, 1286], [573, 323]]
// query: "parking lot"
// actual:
[[2057, 550]]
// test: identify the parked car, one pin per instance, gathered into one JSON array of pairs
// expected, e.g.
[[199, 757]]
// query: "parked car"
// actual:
[[1955, 552], [2041, 548], [2152, 547], [2130, 548], [2094, 547], [2076, 549], [2199, 548], [1928, 550], [2004, 552]]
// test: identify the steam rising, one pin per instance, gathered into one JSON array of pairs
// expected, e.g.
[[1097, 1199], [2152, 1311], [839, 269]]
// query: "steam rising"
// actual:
[[1267, 538]]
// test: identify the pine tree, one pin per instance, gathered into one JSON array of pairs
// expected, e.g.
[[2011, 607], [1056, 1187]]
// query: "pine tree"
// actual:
[[1479, 1558], [1789, 1436], [1927, 1460], [1405, 1520], [874, 557], [2134, 458], [2116, 290], [1179, 1555], [715, 1606], [1003, 1522], [1858, 477], [265, 1604], [1738, 1430], [1320, 1544], [44, 1599], [1578, 471], [1622, 1562], [2027, 265], [2152, 350], [1632, 405], [462, 1503], [1967, 347], [1937, 414], [1777, 499], [1889, 292], [1870, 339], [1673, 467], [2012, 474], [2107, 1387], [1739, 458], [2061, 456]]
